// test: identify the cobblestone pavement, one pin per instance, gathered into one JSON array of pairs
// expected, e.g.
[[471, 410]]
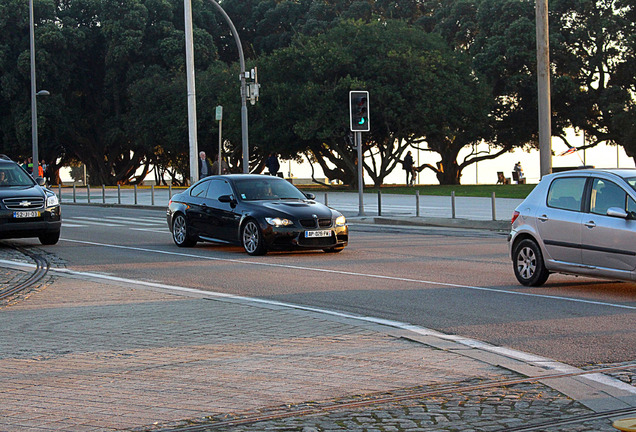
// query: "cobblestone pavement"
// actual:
[[81, 355]]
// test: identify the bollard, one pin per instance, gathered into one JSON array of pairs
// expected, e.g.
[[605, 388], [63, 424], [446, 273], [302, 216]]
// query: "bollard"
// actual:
[[494, 214], [152, 194], [417, 203], [103, 194], [59, 191], [118, 194], [453, 204], [88, 193], [169, 192], [135, 194], [326, 199], [379, 202], [74, 195]]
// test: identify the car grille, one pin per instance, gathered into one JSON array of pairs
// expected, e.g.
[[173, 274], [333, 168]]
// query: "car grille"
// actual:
[[23, 203], [317, 242], [311, 223]]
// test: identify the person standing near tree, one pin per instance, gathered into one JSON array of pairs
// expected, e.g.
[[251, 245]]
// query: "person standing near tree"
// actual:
[[272, 164], [205, 168], [407, 165]]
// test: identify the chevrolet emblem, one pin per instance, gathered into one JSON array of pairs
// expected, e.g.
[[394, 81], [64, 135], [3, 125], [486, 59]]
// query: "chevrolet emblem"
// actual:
[[25, 204]]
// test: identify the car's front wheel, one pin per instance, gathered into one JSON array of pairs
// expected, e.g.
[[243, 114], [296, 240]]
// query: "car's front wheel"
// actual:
[[181, 232], [252, 238], [50, 238], [528, 264]]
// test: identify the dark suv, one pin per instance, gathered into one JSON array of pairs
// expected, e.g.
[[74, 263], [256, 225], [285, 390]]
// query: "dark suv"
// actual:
[[27, 208]]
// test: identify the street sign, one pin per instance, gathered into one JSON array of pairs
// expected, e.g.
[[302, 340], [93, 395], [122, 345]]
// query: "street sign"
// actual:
[[219, 112]]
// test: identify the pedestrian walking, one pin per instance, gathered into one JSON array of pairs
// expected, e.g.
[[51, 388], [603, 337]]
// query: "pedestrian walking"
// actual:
[[205, 168], [407, 165], [272, 164], [225, 169]]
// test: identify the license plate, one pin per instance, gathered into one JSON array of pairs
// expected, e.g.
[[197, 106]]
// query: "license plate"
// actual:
[[26, 214], [322, 233]]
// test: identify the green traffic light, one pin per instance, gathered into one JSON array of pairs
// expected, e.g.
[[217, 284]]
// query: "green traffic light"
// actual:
[[362, 121]]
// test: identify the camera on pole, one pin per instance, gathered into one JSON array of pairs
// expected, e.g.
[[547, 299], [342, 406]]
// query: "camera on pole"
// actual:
[[359, 111]]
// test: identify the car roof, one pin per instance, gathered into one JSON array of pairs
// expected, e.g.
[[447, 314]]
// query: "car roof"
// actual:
[[620, 172]]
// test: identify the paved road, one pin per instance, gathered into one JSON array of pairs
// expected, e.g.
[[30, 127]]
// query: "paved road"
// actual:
[[454, 281], [136, 345]]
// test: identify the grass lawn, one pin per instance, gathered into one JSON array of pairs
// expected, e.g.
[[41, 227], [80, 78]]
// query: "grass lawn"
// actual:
[[501, 191]]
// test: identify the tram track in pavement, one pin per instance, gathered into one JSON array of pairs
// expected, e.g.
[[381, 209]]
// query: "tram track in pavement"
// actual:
[[42, 266], [370, 401]]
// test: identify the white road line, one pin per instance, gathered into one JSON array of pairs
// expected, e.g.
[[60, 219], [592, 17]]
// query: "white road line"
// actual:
[[542, 362], [366, 275], [90, 222]]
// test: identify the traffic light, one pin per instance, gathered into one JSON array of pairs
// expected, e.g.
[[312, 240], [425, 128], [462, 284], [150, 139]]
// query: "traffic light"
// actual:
[[359, 111]]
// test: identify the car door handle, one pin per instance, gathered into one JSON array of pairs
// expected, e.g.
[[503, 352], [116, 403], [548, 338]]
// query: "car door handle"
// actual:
[[543, 218], [590, 224]]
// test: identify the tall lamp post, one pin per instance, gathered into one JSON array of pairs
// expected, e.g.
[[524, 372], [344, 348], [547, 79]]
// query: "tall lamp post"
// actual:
[[34, 94]]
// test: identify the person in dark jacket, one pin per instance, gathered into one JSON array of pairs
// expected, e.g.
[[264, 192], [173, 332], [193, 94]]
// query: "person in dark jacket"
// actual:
[[272, 164], [205, 167], [407, 165]]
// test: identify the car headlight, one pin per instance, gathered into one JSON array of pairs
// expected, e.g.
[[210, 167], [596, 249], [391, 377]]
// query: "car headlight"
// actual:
[[51, 200], [277, 222], [341, 221]]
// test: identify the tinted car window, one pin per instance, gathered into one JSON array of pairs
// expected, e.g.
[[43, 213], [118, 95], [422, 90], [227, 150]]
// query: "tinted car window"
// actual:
[[267, 188], [606, 194], [567, 193], [200, 189], [218, 188], [13, 175]]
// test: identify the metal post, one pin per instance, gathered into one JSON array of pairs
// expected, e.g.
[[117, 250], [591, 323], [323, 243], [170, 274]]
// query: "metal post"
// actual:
[[59, 191], [360, 174], [34, 106], [326, 199], [135, 194], [494, 214], [543, 82], [417, 203], [379, 202], [103, 194], [453, 204], [118, 194], [152, 194], [192, 98], [88, 193], [74, 195], [244, 133], [169, 192]]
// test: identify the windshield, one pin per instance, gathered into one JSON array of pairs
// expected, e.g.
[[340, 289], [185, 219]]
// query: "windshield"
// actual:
[[267, 188], [13, 175]]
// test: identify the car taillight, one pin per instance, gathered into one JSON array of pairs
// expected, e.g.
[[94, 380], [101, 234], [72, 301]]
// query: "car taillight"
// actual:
[[515, 215]]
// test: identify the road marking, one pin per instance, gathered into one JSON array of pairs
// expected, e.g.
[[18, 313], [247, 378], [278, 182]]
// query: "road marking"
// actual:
[[366, 275], [542, 362]]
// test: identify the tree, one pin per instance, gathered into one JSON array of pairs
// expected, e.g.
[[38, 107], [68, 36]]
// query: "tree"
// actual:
[[419, 90]]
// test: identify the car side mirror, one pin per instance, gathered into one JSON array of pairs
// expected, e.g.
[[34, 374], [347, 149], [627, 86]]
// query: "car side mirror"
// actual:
[[617, 212], [227, 199], [40, 181], [310, 196]]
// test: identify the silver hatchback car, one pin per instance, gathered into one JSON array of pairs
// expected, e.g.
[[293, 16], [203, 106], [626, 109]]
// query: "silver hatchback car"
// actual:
[[580, 222]]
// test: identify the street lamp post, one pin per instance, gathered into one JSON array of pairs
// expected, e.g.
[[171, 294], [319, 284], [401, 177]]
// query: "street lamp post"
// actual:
[[34, 94]]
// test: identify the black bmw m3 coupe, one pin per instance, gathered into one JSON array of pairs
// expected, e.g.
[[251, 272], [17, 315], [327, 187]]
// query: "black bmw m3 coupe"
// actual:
[[259, 212]]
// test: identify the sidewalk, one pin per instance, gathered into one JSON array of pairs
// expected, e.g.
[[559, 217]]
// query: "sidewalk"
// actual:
[[81, 354]]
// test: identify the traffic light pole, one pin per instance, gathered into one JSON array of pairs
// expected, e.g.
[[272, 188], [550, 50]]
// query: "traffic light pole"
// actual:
[[358, 136]]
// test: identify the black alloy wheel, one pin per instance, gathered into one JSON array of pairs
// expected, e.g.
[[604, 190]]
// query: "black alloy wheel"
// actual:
[[49, 238], [528, 264], [181, 232], [252, 238]]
